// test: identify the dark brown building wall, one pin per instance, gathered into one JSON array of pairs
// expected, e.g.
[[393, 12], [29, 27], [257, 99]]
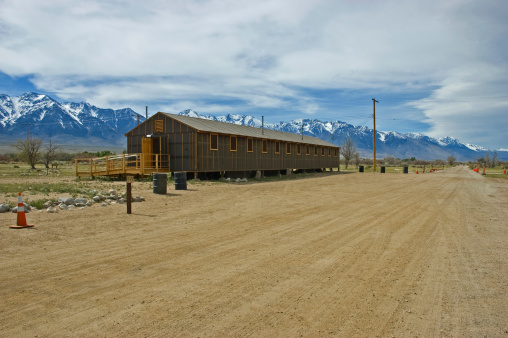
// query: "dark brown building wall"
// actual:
[[223, 159], [190, 150], [175, 138]]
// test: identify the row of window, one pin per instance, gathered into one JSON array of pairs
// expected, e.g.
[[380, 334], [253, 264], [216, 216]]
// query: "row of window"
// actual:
[[214, 145]]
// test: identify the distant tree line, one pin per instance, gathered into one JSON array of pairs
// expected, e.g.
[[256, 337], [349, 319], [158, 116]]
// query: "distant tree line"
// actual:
[[351, 156], [489, 162], [35, 151]]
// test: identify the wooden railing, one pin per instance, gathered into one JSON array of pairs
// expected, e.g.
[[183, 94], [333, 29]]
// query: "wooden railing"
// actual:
[[125, 164]]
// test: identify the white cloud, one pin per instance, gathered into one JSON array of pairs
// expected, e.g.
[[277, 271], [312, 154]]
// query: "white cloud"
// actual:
[[248, 55], [471, 104]]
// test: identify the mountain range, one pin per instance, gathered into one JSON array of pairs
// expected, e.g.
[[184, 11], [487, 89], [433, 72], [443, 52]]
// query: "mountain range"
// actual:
[[389, 143], [65, 123], [84, 124]]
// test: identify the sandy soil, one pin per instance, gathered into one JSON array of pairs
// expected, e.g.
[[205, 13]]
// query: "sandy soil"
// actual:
[[337, 255]]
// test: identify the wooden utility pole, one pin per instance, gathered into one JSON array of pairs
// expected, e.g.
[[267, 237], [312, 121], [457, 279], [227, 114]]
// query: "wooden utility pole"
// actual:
[[374, 116], [27, 133], [136, 115]]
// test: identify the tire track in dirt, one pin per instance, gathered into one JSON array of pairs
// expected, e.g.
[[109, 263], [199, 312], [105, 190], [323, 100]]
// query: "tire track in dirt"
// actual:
[[338, 255]]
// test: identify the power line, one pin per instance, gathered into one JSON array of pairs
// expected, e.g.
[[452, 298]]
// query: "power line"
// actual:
[[443, 121]]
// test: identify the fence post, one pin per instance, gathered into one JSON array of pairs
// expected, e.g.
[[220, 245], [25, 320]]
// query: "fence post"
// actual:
[[129, 180]]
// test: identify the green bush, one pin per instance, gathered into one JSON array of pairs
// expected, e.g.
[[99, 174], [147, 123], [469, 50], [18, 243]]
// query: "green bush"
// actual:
[[39, 204]]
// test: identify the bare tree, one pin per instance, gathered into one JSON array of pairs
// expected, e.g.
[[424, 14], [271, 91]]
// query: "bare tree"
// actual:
[[440, 162], [50, 152], [348, 150], [487, 159], [451, 160], [388, 160], [494, 159], [29, 150], [356, 157]]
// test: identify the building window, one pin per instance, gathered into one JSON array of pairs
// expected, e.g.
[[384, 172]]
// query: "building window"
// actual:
[[214, 142], [329, 152], [277, 147], [265, 147], [288, 148], [250, 145], [322, 151], [307, 150], [298, 149], [232, 143]]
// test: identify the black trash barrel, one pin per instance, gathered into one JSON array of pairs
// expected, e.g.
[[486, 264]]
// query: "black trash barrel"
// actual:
[[361, 168], [181, 181], [383, 170], [406, 170], [160, 183]]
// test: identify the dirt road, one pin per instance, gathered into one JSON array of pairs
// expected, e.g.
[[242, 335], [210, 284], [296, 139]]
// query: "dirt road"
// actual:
[[338, 255]]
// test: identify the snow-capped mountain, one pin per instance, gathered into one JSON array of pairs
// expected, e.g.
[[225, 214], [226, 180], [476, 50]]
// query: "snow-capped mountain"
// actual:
[[84, 124], [64, 123], [387, 143]]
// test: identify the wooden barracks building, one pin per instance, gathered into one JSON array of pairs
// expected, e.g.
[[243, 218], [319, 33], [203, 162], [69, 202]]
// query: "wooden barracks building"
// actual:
[[196, 145]]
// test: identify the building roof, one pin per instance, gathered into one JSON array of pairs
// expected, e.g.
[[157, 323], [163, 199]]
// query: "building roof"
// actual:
[[211, 126]]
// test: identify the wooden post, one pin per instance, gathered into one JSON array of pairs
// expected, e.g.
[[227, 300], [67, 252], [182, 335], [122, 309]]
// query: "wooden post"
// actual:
[[374, 117], [91, 173], [76, 161], [129, 180], [123, 163]]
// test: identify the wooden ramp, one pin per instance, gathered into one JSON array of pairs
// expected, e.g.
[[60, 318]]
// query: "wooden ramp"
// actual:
[[121, 165]]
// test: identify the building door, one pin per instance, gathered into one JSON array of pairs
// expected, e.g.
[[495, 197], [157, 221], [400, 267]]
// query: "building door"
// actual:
[[147, 150], [156, 151]]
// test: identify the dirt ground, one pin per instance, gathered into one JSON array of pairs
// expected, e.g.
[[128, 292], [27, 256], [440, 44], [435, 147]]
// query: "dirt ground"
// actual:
[[338, 255]]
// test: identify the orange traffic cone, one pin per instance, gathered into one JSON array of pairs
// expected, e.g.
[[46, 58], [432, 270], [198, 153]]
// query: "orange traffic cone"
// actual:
[[483, 171], [21, 216], [505, 171], [417, 171]]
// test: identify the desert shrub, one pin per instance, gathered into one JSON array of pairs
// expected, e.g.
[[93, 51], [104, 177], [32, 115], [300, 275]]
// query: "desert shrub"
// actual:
[[39, 204], [44, 188]]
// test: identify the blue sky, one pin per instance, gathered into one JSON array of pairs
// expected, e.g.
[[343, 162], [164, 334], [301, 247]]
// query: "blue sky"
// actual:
[[437, 67]]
